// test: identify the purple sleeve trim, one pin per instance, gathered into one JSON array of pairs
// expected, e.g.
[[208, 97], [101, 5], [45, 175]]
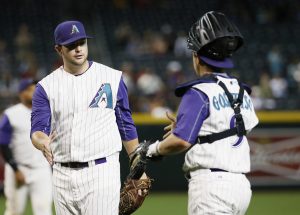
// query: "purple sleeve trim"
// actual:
[[5, 130], [124, 119], [41, 112], [193, 110]]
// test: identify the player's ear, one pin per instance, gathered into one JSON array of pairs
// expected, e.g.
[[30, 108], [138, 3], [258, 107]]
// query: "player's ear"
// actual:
[[58, 49], [196, 58]]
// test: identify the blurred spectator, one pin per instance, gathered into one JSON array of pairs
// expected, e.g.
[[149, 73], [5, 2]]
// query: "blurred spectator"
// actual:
[[25, 56], [257, 100], [275, 61], [175, 75], [8, 85], [128, 76], [265, 92], [278, 87], [27, 66], [158, 107], [123, 33], [23, 39], [159, 45], [169, 35], [149, 83], [142, 105], [180, 47], [134, 46], [265, 86], [293, 76]]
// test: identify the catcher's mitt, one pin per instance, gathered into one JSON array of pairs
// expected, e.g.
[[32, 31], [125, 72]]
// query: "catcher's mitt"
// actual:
[[133, 195], [138, 161], [139, 158]]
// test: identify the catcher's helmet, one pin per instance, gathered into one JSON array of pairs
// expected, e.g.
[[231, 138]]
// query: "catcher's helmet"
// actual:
[[214, 38]]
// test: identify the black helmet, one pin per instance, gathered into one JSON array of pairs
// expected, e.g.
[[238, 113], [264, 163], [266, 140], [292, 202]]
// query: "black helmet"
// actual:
[[214, 36]]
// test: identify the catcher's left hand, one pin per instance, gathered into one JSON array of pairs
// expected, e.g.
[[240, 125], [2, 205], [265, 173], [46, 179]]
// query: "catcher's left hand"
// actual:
[[169, 128]]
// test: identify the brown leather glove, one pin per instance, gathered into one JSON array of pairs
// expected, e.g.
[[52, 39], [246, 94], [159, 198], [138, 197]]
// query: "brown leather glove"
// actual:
[[133, 195]]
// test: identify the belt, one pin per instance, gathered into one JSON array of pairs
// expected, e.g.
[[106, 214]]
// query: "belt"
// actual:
[[188, 175], [217, 170], [83, 164]]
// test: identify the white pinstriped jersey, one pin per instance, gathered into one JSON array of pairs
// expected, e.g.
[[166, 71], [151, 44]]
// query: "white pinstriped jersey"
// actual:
[[231, 153], [82, 113], [23, 151]]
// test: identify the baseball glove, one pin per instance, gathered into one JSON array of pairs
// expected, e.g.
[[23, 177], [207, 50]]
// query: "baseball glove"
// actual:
[[135, 189], [133, 195], [138, 161]]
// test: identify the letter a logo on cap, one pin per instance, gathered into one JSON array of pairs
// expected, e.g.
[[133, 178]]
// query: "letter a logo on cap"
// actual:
[[74, 29]]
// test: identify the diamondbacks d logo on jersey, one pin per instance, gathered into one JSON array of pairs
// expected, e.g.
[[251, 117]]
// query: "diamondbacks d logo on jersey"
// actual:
[[103, 98], [74, 29]]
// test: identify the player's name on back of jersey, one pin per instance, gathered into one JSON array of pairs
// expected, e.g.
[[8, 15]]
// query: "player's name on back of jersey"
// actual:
[[221, 101]]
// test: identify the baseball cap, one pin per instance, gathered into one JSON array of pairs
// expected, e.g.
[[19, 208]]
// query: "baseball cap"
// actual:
[[68, 32], [24, 83], [226, 63]]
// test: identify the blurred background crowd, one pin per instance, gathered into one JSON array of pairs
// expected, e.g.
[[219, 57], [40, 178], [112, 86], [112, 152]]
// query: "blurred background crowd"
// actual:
[[146, 39]]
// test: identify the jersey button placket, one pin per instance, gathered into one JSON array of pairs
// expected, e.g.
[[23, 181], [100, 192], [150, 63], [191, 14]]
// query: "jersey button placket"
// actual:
[[76, 85]]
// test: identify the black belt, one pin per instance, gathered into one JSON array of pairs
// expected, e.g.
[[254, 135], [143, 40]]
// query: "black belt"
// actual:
[[82, 164], [217, 170]]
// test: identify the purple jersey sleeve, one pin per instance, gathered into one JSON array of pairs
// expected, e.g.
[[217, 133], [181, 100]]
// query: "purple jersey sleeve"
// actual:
[[125, 122], [193, 110], [41, 113], [5, 130]]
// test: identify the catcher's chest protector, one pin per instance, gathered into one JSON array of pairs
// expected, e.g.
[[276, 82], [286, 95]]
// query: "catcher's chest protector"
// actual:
[[231, 153]]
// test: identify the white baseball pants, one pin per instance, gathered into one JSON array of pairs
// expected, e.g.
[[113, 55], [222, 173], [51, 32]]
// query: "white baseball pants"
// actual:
[[215, 193], [38, 186], [93, 190]]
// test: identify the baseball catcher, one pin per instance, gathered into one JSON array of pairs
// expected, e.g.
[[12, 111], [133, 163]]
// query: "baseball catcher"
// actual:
[[213, 119], [137, 185]]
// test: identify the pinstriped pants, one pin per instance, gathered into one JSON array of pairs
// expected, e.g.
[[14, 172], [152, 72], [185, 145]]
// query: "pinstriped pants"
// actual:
[[87, 191], [216, 193]]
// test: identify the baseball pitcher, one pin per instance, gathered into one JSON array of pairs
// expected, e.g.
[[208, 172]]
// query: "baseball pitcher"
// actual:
[[80, 117]]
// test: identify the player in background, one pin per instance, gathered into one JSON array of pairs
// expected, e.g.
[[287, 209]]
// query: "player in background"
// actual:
[[27, 173], [214, 116], [80, 118]]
